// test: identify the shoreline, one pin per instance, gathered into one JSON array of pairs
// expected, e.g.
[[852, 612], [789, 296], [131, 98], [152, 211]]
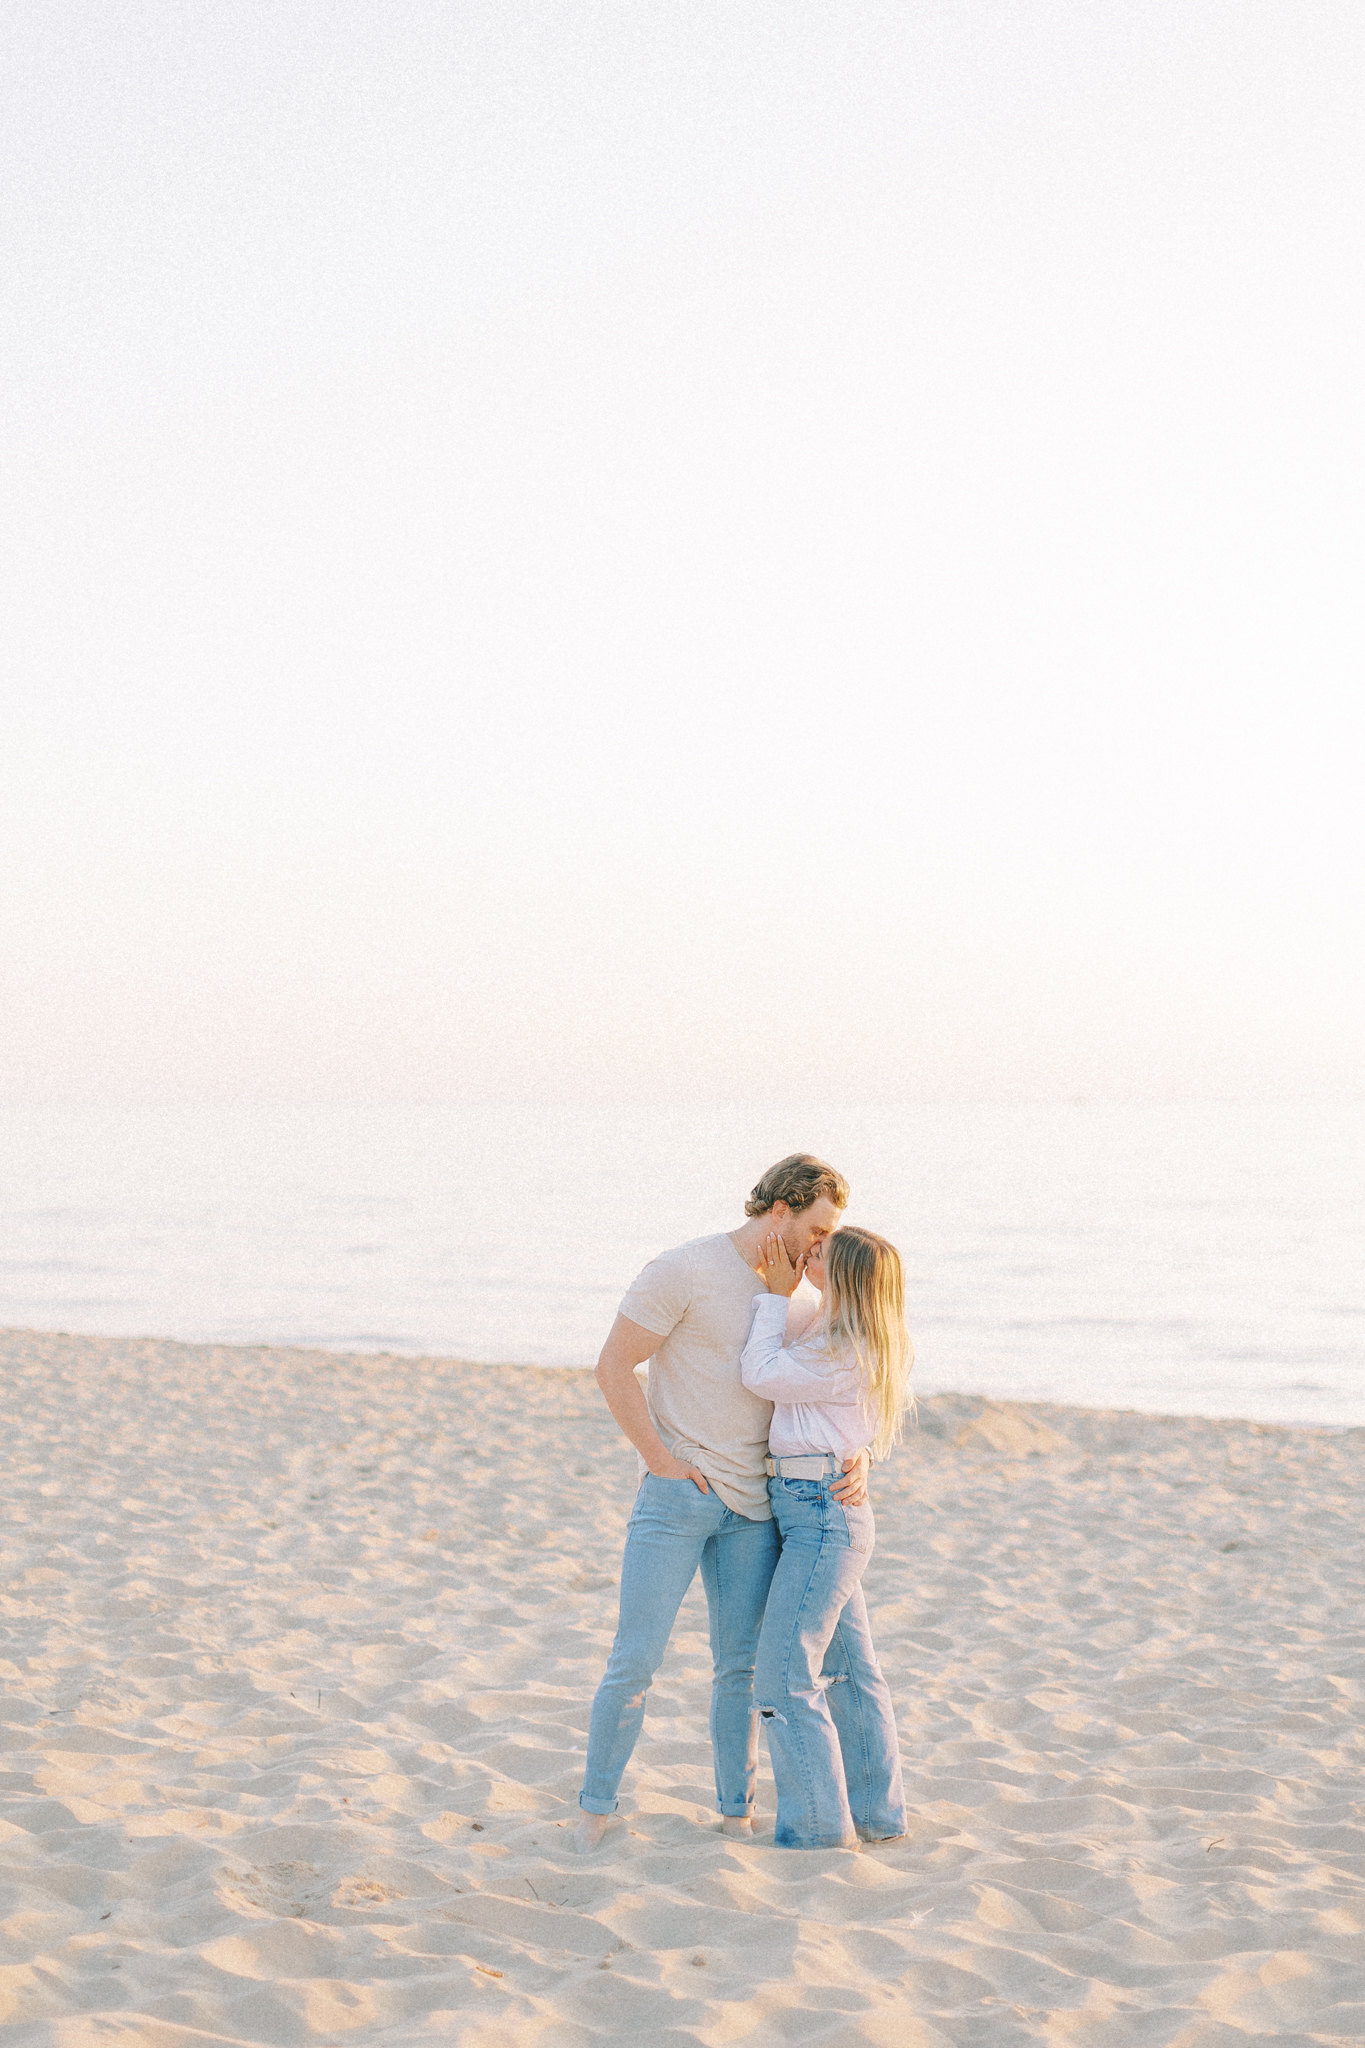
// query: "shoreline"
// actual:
[[294, 1684], [324, 1354]]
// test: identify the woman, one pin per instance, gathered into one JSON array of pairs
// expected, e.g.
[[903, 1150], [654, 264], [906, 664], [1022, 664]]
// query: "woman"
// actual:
[[841, 1386]]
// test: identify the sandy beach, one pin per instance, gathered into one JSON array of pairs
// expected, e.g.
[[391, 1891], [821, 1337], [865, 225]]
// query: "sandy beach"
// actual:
[[296, 1663]]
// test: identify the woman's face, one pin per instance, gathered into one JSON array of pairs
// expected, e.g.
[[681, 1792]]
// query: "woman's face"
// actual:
[[815, 1264]]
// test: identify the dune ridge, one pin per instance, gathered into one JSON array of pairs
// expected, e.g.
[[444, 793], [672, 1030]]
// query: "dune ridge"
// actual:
[[296, 1660]]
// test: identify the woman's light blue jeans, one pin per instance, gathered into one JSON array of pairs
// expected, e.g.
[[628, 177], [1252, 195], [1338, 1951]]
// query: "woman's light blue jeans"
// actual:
[[817, 1684], [674, 1528]]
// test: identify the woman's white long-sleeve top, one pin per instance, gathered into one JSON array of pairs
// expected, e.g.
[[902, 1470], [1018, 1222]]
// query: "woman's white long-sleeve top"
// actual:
[[818, 1399]]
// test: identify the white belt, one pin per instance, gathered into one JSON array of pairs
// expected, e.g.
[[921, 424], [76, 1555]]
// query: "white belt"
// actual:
[[814, 1465]]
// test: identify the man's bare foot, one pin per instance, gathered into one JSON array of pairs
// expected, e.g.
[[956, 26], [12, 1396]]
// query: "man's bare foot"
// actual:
[[737, 1824], [590, 1831]]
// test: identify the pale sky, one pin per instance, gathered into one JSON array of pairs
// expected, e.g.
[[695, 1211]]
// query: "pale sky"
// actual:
[[637, 552]]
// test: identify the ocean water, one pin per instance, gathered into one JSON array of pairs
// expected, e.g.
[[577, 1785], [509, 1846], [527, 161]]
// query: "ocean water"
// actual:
[[1188, 1260]]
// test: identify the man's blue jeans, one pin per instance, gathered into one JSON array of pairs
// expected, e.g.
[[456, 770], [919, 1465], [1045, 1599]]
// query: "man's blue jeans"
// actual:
[[818, 1686], [675, 1528]]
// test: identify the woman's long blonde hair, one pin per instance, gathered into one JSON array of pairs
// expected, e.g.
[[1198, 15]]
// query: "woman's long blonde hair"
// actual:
[[865, 1314]]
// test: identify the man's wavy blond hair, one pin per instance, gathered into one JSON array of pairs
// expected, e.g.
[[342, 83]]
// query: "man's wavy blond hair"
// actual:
[[798, 1180], [865, 1314]]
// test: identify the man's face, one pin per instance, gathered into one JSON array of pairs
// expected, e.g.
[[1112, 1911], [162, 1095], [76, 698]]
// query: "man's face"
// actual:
[[799, 1229]]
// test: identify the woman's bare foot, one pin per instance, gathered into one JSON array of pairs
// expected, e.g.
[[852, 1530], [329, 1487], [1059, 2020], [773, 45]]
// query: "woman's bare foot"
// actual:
[[737, 1824], [590, 1831]]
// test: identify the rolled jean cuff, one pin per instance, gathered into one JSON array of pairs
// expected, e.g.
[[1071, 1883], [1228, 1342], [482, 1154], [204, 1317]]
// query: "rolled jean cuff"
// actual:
[[737, 1812], [590, 1805]]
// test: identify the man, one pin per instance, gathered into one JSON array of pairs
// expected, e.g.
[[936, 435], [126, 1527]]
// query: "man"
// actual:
[[703, 1498]]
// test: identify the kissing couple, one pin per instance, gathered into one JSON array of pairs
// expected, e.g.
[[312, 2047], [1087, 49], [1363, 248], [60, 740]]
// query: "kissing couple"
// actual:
[[762, 1414]]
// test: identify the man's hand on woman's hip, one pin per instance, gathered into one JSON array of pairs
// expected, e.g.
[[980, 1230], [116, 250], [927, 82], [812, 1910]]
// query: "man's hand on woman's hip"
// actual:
[[851, 1490]]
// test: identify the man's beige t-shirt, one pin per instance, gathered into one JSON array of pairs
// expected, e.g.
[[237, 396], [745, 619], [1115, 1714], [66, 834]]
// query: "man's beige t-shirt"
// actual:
[[700, 1300]]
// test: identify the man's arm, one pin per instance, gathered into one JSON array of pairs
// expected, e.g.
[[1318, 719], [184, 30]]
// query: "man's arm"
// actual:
[[628, 1345]]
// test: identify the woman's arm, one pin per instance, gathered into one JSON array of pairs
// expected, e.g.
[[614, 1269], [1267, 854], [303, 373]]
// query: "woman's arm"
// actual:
[[767, 1368]]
